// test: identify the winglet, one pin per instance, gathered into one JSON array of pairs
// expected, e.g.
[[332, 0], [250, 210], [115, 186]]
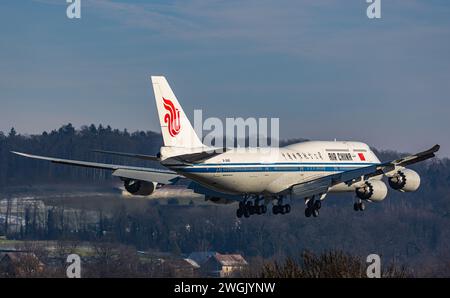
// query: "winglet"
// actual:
[[435, 148], [411, 159], [22, 154]]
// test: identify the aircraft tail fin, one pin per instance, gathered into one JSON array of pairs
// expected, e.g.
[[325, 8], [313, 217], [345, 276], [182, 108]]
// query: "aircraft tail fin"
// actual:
[[176, 129]]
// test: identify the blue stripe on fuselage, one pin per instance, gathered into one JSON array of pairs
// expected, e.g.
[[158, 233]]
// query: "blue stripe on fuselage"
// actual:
[[285, 163], [276, 167]]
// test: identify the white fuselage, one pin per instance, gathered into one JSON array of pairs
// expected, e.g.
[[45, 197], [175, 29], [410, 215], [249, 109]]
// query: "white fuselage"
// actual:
[[272, 171]]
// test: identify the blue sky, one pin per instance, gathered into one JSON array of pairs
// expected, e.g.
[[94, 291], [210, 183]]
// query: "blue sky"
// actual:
[[322, 67]]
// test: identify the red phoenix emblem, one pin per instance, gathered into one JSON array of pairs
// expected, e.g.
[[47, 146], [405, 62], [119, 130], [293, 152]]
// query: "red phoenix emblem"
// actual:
[[172, 117]]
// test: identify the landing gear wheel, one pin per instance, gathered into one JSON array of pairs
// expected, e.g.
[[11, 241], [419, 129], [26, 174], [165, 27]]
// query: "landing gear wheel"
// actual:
[[246, 213], [264, 209], [275, 210], [249, 207], [239, 212], [315, 212], [356, 207], [361, 206], [308, 212], [317, 205], [241, 205], [288, 208]]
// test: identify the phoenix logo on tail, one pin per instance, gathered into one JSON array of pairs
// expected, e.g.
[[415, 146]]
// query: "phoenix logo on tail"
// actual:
[[172, 118]]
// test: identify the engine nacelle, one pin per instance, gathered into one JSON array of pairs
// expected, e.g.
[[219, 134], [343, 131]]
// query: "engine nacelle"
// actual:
[[374, 191], [218, 200], [405, 181], [140, 188]]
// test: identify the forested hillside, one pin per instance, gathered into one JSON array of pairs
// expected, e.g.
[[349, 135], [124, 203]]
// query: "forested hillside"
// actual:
[[66, 142]]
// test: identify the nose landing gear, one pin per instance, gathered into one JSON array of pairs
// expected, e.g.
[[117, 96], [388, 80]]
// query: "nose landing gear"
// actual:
[[359, 205]]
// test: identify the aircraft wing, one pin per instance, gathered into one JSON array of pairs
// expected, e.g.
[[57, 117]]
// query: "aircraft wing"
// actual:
[[321, 185], [128, 172]]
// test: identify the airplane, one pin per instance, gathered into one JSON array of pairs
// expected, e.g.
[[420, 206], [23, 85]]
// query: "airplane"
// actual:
[[256, 179]]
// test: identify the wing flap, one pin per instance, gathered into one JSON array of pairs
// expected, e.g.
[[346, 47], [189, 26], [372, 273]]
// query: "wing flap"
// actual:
[[314, 187], [163, 178]]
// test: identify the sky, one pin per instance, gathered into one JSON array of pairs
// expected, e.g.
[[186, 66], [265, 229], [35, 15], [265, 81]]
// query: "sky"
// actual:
[[324, 68]]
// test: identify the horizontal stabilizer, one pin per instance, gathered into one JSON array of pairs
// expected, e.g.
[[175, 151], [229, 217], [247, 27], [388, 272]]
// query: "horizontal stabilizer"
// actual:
[[198, 156]]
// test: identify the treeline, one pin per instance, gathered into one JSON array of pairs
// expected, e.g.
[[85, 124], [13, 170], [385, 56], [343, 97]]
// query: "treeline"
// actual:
[[67, 142]]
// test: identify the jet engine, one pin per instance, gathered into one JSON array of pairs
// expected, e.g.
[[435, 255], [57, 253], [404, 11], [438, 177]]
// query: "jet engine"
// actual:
[[374, 191], [140, 188], [405, 181]]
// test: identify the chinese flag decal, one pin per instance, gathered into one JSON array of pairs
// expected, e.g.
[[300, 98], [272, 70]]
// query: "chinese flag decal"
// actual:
[[361, 156]]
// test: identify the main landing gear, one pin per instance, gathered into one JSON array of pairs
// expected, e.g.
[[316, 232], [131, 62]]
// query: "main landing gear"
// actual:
[[247, 208], [312, 207], [257, 206], [281, 208]]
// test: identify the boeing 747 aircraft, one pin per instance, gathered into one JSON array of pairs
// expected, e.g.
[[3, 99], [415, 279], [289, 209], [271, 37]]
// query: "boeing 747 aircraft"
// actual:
[[258, 178]]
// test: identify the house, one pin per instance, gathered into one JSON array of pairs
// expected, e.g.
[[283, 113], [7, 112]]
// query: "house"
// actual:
[[20, 264], [224, 265], [180, 267], [200, 257]]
